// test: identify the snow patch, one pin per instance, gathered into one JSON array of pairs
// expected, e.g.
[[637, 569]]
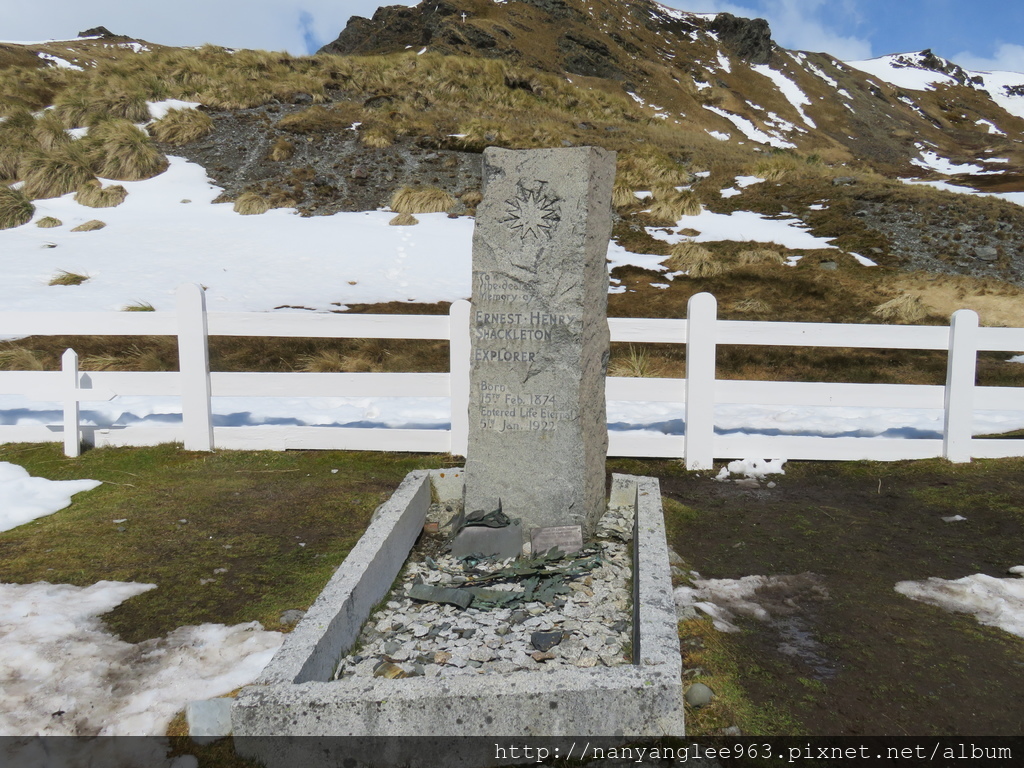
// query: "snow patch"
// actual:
[[793, 93], [58, 61], [934, 162], [756, 468], [994, 602], [751, 131], [24, 498], [57, 657]]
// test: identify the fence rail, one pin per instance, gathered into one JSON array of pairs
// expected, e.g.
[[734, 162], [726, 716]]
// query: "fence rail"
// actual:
[[699, 392]]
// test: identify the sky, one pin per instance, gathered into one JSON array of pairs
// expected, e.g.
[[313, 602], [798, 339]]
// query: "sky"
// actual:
[[980, 34]]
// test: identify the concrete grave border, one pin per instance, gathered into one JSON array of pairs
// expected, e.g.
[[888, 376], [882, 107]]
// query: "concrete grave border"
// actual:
[[295, 696]]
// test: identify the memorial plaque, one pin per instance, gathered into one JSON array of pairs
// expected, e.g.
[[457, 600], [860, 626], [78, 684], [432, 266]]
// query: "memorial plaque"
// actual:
[[568, 538], [537, 432]]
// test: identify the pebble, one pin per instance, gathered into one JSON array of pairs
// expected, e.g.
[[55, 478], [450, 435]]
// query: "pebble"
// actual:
[[592, 621]]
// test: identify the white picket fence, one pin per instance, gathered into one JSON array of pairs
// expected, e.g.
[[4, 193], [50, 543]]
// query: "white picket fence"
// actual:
[[700, 391]]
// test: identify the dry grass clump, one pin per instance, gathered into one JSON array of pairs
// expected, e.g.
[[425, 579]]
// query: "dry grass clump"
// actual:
[[138, 306], [16, 141], [49, 222], [471, 199], [62, 170], [649, 168], [49, 131], [421, 200], [15, 207], [752, 307], [134, 358], [19, 359], [124, 104], [404, 220], [623, 196], [251, 204], [127, 153], [377, 136], [696, 260], [90, 226], [318, 119], [637, 364], [282, 150], [180, 126], [95, 195], [671, 204], [903, 309], [75, 108], [784, 164], [761, 256], [324, 361], [63, 277]]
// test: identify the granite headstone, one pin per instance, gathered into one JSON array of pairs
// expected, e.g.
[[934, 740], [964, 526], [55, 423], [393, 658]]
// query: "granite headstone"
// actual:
[[538, 438]]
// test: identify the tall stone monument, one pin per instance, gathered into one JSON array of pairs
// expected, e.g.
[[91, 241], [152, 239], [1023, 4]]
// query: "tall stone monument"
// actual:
[[538, 437]]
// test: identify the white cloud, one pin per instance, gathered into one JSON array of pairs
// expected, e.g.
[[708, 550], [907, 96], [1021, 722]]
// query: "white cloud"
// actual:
[[796, 24], [1009, 57]]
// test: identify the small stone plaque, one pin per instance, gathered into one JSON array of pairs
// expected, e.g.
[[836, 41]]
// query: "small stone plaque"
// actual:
[[489, 542], [568, 538]]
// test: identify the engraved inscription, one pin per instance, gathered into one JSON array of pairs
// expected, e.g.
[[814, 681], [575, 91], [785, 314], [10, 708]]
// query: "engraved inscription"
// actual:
[[505, 411], [532, 213], [568, 538]]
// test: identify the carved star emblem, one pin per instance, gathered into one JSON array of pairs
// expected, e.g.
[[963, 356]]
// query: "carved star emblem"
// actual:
[[532, 213]]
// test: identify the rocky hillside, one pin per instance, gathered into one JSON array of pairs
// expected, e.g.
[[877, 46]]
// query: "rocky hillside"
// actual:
[[696, 105]]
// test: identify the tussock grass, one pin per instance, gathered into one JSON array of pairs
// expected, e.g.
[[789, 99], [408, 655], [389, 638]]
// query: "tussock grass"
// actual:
[[90, 226], [404, 220], [904, 309], [696, 260], [14, 358], [471, 199], [319, 119], [138, 306], [16, 141], [623, 196], [421, 200], [752, 307], [324, 361], [63, 277], [50, 131], [62, 170], [251, 204], [95, 195], [760, 256], [15, 207], [636, 363], [282, 150], [127, 153], [115, 102], [786, 164], [49, 222], [161, 357], [77, 108], [181, 126], [377, 136], [671, 204]]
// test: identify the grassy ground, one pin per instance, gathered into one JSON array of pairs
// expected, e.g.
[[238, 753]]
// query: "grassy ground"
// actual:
[[891, 665], [227, 537], [868, 661]]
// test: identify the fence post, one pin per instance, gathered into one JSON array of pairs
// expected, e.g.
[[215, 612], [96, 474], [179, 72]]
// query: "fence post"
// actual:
[[698, 441], [69, 372], [961, 364], [458, 366], [194, 365]]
